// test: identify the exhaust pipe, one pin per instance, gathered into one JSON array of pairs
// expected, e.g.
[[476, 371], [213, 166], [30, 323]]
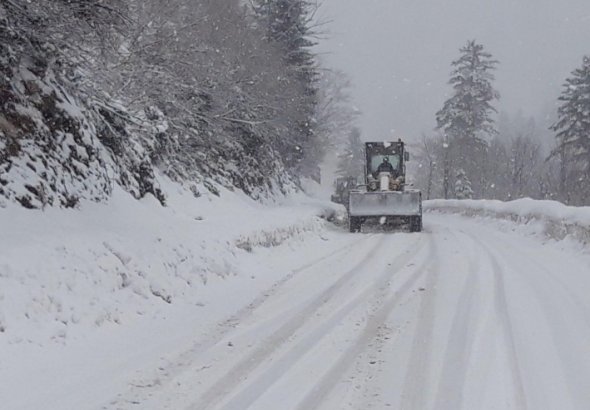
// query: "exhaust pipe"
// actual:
[[384, 182]]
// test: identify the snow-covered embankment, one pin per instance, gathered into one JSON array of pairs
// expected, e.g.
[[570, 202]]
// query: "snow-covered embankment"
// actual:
[[65, 273], [547, 218], [113, 288]]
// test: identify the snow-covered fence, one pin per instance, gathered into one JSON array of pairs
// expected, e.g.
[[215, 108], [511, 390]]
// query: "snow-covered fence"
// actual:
[[554, 219]]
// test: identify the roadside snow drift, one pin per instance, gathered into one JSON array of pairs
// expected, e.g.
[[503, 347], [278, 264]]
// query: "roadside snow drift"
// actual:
[[63, 273], [113, 279], [552, 219]]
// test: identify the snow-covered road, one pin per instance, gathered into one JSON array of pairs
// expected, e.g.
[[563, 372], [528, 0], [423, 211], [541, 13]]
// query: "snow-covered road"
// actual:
[[463, 316], [470, 314]]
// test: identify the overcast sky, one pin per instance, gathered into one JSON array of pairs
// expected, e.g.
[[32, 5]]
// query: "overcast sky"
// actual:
[[398, 53]]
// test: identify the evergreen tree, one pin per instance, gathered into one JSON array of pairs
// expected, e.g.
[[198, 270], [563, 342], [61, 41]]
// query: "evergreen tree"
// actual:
[[351, 161], [466, 117], [467, 113], [288, 26], [463, 186], [573, 128]]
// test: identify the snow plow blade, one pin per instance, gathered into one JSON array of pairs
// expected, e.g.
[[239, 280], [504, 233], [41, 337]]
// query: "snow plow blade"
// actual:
[[385, 203]]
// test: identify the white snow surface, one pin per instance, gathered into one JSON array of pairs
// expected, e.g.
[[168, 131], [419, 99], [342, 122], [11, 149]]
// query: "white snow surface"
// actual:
[[545, 218], [86, 296], [524, 208], [287, 312]]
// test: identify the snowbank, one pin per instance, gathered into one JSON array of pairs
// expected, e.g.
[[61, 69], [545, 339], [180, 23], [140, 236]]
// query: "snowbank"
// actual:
[[64, 274], [90, 297], [552, 219]]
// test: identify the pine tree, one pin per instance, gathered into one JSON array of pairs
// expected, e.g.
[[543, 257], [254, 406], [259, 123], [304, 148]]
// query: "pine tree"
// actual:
[[573, 126], [463, 186], [467, 113], [288, 26], [351, 161], [466, 117]]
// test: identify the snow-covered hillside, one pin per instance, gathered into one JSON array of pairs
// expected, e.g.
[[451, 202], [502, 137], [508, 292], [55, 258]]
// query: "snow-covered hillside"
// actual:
[[66, 272], [95, 95], [115, 271]]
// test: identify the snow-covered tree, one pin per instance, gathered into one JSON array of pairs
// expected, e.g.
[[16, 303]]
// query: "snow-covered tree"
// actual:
[[288, 25], [573, 129], [351, 160], [524, 162], [428, 171], [463, 186], [512, 167], [467, 114], [496, 169], [199, 89], [335, 113], [466, 117]]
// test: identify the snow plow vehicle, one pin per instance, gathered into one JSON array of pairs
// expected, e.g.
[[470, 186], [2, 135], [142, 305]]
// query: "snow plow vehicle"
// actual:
[[385, 197], [342, 188]]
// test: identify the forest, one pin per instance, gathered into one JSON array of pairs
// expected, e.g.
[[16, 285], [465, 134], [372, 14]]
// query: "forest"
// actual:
[[103, 94], [98, 94], [477, 151]]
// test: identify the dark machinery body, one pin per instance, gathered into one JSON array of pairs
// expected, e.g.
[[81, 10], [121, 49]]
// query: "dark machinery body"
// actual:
[[385, 197]]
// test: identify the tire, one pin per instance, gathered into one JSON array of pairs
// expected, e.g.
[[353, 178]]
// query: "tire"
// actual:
[[354, 224], [416, 224]]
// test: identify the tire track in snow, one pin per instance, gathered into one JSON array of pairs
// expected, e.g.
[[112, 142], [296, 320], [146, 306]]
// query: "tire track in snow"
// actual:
[[502, 311], [280, 367], [417, 382], [247, 311], [449, 394], [182, 363], [227, 383], [330, 380], [569, 356], [584, 307]]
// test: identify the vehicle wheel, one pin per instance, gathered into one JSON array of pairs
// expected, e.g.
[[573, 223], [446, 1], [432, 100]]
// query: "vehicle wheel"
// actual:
[[354, 224], [416, 224]]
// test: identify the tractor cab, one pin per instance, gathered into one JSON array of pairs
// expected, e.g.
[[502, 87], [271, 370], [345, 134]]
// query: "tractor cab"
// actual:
[[385, 158]]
